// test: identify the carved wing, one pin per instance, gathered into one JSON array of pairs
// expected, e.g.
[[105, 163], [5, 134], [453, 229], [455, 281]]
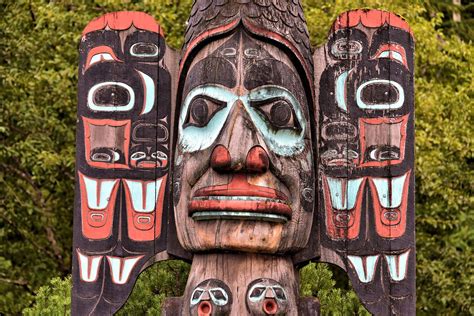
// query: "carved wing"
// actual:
[[122, 202], [364, 82]]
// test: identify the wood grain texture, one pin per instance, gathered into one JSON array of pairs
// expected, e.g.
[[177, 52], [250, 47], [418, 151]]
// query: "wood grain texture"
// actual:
[[364, 89]]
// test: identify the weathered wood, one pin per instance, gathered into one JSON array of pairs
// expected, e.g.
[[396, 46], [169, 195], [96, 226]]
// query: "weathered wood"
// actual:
[[366, 157]]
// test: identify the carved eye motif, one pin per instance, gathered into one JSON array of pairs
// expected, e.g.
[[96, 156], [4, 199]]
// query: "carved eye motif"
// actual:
[[201, 110], [279, 113], [143, 49]]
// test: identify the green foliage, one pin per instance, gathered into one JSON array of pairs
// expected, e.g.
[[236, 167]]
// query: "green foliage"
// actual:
[[38, 79], [52, 299]]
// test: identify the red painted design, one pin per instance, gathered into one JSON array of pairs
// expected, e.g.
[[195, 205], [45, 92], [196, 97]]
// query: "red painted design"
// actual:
[[342, 224], [220, 158], [239, 186], [379, 121], [97, 224], [370, 19], [394, 48], [100, 50], [123, 20], [103, 122], [145, 226], [390, 222], [257, 160]]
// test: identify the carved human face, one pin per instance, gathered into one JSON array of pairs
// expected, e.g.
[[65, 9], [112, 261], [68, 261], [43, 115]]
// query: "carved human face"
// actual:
[[243, 169], [210, 298]]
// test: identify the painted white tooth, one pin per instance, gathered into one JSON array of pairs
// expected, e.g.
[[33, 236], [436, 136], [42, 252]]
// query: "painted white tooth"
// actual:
[[342, 201], [102, 187], [149, 92], [88, 267], [152, 189], [366, 272], [382, 186], [121, 268], [397, 265]]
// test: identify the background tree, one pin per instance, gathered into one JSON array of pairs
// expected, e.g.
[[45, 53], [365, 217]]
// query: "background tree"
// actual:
[[38, 76]]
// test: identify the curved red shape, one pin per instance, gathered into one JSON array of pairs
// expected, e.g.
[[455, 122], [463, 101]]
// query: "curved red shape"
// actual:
[[370, 19], [123, 20]]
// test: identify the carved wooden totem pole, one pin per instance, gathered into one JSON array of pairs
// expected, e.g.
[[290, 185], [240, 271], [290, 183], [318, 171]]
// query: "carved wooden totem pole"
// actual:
[[240, 156]]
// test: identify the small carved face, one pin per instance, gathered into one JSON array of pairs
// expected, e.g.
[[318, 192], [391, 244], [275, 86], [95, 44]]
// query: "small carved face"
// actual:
[[266, 297], [243, 177], [211, 297]]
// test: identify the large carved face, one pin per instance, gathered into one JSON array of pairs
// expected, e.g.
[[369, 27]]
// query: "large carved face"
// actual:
[[243, 169]]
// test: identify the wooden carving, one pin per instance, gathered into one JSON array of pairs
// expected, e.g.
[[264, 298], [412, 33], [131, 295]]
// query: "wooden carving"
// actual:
[[240, 156]]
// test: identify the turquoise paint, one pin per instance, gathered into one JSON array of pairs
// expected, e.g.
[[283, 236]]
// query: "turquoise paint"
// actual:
[[397, 260], [357, 263], [383, 106], [110, 107], [382, 186], [341, 91], [152, 189], [150, 92], [335, 190], [284, 142], [106, 187]]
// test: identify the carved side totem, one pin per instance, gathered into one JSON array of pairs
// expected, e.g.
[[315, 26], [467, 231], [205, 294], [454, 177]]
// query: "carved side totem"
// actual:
[[240, 157]]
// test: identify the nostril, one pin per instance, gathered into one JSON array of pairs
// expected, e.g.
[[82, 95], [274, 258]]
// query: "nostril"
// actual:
[[220, 158], [257, 160]]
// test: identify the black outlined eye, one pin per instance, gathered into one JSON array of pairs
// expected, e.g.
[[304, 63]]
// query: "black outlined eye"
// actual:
[[144, 49], [257, 292], [201, 110], [278, 112]]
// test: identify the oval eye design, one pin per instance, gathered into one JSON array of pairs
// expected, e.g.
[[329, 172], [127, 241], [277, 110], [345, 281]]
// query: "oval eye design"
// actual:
[[380, 94], [346, 49], [143, 49], [279, 113], [257, 292], [159, 155], [201, 110], [111, 97], [196, 296], [219, 296]]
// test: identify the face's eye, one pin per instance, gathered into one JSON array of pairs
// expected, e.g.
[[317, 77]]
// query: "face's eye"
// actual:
[[159, 155], [278, 112], [392, 51], [257, 292], [218, 296], [201, 110], [138, 155], [279, 293], [143, 49]]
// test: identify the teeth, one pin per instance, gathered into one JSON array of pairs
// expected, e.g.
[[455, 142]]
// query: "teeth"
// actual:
[[390, 191], [98, 192], [397, 265], [344, 192], [364, 267], [144, 194], [88, 267], [149, 92], [121, 268]]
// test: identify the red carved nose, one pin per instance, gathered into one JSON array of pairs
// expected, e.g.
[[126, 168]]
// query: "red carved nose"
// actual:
[[220, 158], [257, 160]]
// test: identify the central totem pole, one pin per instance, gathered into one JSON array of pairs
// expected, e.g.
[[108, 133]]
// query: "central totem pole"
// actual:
[[242, 157]]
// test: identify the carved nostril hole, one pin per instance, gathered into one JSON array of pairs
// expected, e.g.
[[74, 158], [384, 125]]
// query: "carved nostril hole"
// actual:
[[257, 160], [220, 158], [270, 307], [204, 309]]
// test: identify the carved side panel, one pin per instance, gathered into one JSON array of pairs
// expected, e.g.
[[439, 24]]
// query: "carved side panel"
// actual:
[[123, 158], [366, 157]]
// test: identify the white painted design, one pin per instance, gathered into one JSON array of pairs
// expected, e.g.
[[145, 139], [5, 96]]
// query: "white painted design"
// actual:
[[88, 267], [153, 54], [366, 272], [97, 58], [391, 54], [110, 107], [386, 199], [121, 268], [149, 87], [343, 192], [397, 265], [149, 195], [383, 106], [341, 91], [98, 192]]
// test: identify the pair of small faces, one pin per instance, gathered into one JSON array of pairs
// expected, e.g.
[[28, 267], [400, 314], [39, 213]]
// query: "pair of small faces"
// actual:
[[243, 171], [264, 297]]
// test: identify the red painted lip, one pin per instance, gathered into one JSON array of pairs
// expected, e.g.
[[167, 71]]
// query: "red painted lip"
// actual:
[[240, 196]]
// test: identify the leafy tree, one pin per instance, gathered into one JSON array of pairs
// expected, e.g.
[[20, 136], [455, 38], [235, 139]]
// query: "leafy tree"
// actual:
[[38, 76]]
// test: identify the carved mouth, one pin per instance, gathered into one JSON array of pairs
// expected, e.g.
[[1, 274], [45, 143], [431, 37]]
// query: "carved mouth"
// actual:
[[239, 200]]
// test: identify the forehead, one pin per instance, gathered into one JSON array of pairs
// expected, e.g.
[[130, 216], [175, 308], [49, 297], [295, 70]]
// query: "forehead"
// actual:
[[242, 61]]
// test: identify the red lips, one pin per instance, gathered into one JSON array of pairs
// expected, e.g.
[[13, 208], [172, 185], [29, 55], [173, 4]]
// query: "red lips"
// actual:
[[246, 198]]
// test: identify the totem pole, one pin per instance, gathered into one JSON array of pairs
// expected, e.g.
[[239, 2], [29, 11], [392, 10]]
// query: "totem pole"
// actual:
[[239, 156]]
